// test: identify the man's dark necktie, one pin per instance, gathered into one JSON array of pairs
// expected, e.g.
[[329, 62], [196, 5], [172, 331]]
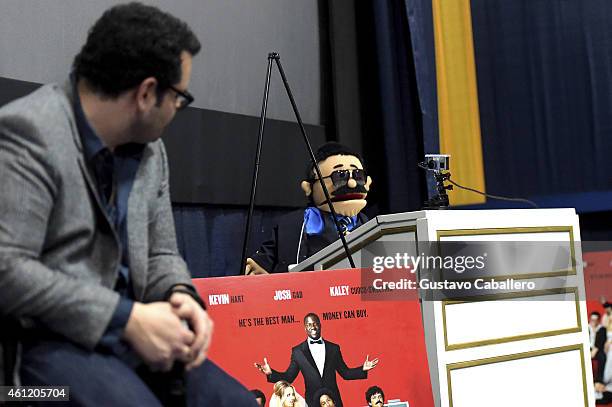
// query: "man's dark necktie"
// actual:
[[319, 341]]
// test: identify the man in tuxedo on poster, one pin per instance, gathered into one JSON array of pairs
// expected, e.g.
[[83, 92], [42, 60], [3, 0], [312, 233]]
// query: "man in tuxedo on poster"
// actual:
[[318, 360]]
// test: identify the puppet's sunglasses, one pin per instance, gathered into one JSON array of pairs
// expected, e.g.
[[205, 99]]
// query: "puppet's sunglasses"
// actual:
[[341, 177]]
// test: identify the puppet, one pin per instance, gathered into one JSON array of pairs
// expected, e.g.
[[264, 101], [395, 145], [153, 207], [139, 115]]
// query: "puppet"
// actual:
[[302, 233]]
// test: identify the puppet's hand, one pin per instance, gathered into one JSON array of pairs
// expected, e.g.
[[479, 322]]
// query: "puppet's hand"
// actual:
[[252, 268]]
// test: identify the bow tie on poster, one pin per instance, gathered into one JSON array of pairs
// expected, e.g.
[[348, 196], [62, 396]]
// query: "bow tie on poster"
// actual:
[[319, 341]]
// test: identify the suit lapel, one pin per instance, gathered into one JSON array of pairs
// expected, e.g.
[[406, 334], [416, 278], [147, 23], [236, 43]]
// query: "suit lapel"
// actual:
[[309, 358], [67, 102], [89, 180], [137, 230], [111, 277], [328, 358]]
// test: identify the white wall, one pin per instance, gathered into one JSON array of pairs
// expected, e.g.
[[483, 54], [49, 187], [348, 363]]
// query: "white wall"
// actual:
[[39, 38]]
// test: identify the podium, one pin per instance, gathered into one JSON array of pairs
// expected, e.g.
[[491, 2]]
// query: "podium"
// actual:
[[505, 348]]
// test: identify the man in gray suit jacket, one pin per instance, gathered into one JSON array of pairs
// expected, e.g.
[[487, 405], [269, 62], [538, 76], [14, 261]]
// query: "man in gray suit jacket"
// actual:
[[88, 259]]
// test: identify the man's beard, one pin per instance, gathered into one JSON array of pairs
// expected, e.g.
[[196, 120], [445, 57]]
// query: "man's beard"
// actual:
[[142, 132]]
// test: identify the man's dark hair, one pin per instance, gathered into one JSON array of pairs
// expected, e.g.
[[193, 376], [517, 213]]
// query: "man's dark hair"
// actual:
[[327, 150], [130, 43], [372, 391], [313, 316], [321, 392], [596, 313], [259, 395]]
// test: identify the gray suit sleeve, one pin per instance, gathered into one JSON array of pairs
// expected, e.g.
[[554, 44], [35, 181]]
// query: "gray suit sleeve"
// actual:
[[76, 309], [166, 267]]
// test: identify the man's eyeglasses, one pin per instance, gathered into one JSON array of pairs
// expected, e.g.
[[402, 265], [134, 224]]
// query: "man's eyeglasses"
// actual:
[[341, 177], [183, 98]]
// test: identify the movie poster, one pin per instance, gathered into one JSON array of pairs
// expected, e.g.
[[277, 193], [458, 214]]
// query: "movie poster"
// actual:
[[261, 317]]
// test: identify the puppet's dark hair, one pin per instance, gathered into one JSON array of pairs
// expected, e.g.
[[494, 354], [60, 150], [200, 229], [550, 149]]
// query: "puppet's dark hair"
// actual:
[[327, 150]]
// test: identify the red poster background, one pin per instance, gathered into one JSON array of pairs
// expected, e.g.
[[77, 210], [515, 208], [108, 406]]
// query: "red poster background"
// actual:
[[386, 329]]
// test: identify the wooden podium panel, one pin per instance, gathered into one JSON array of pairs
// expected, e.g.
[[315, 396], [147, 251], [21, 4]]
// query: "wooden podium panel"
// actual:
[[541, 378], [478, 322], [478, 345]]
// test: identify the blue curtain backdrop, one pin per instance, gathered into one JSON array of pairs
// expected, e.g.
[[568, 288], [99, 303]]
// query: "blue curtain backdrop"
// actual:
[[420, 22], [401, 118], [393, 126], [544, 73], [210, 237]]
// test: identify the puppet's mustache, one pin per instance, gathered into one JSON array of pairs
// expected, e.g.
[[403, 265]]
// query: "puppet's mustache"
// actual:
[[344, 190]]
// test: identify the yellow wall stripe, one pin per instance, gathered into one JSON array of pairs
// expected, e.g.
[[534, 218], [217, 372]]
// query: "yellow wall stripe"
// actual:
[[458, 114]]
